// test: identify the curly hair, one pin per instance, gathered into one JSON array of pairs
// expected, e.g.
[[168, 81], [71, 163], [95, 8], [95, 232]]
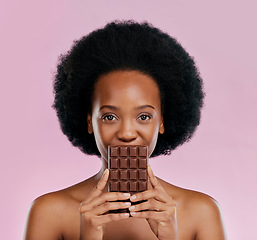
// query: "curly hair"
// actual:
[[128, 45]]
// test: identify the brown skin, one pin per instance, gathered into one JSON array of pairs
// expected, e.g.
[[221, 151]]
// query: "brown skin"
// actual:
[[126, 110]]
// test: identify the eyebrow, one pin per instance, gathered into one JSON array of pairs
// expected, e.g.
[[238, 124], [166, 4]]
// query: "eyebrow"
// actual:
[[145, 106], [117, 108], [109, 106]]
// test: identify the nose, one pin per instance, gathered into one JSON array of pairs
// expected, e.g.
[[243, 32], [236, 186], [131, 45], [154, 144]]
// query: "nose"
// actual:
[[127, 131]]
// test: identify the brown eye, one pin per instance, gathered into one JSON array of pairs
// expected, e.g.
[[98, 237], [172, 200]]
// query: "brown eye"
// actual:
[[109, 118], [144, 117]]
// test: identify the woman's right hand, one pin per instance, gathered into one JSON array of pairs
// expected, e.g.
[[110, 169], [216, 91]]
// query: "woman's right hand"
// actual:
[[94, 210]]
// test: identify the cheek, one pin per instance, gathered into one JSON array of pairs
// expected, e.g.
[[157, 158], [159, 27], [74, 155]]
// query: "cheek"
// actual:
[[150, 135], [102, 138], [104, 132], [153, 142]]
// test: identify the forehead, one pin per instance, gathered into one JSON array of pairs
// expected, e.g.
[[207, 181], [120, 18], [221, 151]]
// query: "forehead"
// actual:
[[123, 87]]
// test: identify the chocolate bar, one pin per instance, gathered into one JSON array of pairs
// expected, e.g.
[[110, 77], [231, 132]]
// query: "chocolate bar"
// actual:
[[128, 169]]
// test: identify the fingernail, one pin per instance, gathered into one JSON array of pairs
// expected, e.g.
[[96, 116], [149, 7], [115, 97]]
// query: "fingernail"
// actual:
[[133, 197], [126, 195], [132, 213], [127, 203], [125, 214], [132, 208]]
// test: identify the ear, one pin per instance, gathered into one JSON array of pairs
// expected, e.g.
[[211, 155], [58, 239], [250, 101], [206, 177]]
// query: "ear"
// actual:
[[89, 124], [161, 129]]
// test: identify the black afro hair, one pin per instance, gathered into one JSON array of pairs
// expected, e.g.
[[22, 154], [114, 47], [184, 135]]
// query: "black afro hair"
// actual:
[[128, 45]]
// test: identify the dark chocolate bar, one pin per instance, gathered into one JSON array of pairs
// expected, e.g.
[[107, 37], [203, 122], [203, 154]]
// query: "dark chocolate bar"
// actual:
[[128, 169]]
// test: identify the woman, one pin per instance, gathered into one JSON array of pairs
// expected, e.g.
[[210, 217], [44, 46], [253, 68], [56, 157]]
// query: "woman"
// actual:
[[126, 84]]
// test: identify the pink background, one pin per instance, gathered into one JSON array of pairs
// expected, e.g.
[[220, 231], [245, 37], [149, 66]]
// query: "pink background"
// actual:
[[220, 160]]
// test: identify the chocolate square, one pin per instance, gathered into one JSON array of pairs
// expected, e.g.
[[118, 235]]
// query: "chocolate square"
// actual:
[[124, 163]]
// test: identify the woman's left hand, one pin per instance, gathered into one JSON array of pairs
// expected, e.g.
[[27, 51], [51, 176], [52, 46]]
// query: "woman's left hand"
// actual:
[[159, 209]]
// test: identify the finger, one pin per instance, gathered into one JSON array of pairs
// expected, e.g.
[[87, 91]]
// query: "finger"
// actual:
[[158, 194], [104, 208], [158, 216], [102, 182], [152, 205], [103, 219], [103, 198], [152, 178], [99, 187]]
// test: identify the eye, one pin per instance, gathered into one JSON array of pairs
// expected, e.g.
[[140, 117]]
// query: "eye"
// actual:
[[109, 118], [144, 117]]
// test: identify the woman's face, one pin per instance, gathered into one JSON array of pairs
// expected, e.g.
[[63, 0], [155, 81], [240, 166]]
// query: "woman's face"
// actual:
[[126, 110]]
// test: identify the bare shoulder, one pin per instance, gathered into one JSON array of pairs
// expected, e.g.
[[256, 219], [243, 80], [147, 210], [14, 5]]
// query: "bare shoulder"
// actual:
[[44, 218], [50, 214], [201, 210], [207, 215]]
